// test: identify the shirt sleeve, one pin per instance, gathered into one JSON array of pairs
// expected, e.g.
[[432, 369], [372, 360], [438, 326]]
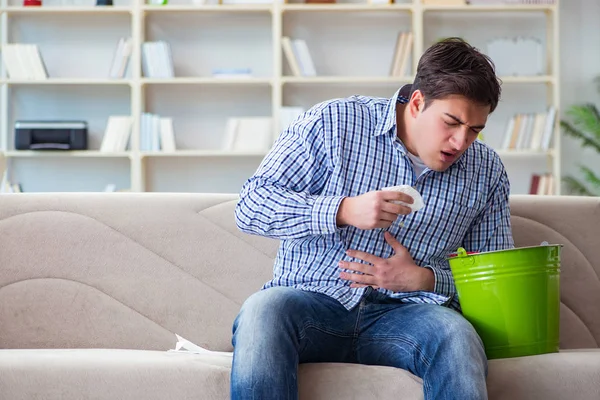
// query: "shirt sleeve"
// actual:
[[490, 231], [283, 198]]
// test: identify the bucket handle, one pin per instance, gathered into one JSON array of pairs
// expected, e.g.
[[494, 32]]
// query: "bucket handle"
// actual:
[[465, 259]]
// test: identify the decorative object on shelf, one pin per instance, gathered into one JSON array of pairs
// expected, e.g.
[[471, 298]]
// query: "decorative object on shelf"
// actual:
[[104, 2], [585, 127], [509, 2], [518, 56], [445, 2], [158, 2], [30, 3], [51, 135], [232, 73], [319, 1]]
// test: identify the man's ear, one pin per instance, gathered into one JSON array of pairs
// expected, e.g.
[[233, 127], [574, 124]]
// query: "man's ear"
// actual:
[[416, 103]]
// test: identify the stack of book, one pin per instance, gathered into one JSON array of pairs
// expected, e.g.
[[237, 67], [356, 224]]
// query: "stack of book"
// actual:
[[121, 57], [157, 60], [532, 131], [24, 61], [298, 57], [156, 133], [402, 53], [117, 134], [542, 184]]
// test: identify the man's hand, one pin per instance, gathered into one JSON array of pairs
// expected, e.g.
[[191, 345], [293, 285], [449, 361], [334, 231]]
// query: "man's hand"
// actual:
[[398, 273], [373, 209]]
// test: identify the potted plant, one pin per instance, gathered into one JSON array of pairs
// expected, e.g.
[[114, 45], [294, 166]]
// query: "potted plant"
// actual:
[[584, 125]]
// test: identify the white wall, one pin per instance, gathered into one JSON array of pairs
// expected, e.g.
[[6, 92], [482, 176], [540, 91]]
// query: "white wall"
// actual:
[[580, 64]]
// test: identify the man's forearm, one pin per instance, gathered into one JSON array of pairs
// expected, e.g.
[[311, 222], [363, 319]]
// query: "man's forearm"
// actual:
[[268, 210]]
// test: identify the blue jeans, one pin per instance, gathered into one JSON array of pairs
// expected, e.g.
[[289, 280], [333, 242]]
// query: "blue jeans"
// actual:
[[278, 328]]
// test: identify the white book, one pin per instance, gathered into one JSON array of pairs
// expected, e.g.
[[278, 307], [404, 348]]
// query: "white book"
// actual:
[[398, 51], [121, 58], [288, 51], [549, 128], [167, 59], [510, 126], [12, 62], [150, 65], [538, 131], [155, 146], [230, 132], [145, 142], [167, 134], [5, 186], [124, 125], [117, 133], [109, 141], [304, 58], [405, 58], [25, 52], [39, 67], [117, 56]]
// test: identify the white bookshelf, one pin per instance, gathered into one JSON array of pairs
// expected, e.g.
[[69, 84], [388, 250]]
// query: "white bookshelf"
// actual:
[[351, 44]]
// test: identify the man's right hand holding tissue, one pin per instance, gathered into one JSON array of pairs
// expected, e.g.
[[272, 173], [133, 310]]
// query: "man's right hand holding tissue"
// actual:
[[373, 209]]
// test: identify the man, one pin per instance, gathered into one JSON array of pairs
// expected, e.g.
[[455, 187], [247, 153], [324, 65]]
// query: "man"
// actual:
[[359, 278]]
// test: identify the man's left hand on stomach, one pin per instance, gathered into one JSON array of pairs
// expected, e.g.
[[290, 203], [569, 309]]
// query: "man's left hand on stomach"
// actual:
[[399, 273]]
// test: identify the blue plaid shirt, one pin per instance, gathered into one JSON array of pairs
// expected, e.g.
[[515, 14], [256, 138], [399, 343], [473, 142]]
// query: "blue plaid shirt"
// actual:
[[347, 147]]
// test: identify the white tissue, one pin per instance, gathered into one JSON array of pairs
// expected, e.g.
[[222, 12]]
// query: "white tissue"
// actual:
[[185, 346], [417, 203]]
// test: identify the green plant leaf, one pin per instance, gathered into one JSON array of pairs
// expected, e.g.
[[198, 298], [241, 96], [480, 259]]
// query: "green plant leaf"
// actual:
[[587, 141], [591, 177], [575, 187], [586, 118]]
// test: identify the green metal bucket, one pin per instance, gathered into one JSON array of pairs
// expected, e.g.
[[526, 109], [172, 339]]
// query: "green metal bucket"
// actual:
[[512, 298]]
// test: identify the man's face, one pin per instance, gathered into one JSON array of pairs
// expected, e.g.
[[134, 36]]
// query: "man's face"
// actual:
[[445, 129]]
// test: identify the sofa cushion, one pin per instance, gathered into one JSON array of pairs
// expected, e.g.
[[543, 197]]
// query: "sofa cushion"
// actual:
[[138, 374]]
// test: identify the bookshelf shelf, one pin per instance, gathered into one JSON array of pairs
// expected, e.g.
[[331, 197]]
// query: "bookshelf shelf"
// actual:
[[208, 8], [207, 81], [346, 7], [525, 153], [69, 81], [345, 80], [528, 79], [59, 154], [492, 8], [68, 10], [352, 45], [202, 153]]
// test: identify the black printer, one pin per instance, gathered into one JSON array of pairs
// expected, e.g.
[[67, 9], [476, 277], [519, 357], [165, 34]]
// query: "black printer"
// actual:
[[51, 135]]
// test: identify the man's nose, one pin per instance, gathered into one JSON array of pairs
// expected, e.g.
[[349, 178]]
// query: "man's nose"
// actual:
[[460, 139]]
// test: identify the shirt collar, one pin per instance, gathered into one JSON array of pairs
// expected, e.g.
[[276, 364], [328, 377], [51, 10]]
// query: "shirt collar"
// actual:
[[388, 122]]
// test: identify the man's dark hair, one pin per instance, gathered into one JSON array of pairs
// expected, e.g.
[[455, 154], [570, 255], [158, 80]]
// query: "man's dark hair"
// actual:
[[454, 67]]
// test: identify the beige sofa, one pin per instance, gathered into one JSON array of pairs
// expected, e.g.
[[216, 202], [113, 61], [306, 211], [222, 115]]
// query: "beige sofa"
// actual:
[[94, 287]]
